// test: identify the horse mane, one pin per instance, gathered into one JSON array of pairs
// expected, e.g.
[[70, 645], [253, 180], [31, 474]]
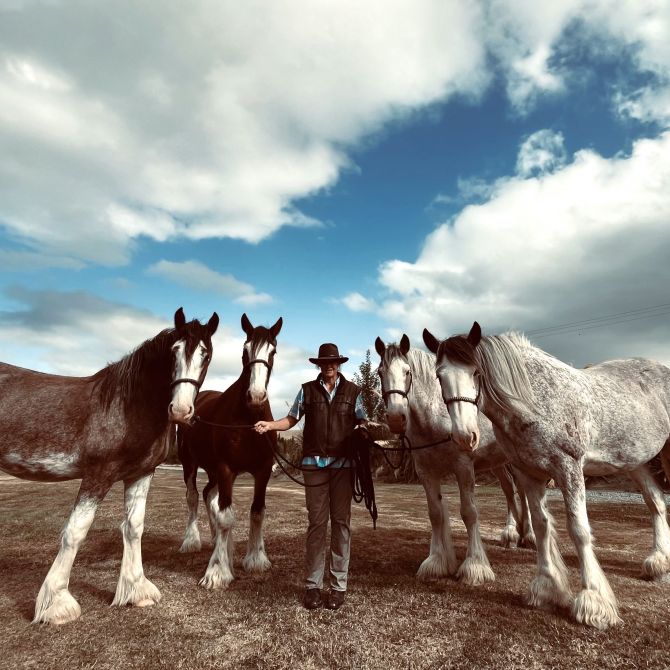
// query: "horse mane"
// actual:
[[123, 378], [498, 360], [423, 366]]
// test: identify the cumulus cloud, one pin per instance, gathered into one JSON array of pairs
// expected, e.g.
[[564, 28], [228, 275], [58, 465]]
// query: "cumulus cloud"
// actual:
[[588, 240], [194, 274], [216, 138], [357, 302]]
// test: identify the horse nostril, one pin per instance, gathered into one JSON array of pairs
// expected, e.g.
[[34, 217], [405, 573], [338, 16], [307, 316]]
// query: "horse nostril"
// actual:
[[473, 440]]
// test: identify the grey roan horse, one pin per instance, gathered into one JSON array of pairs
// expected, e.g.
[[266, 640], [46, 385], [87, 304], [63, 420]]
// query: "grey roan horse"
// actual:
[[115, 425], [223, 451], [414, 408], [556, 421]]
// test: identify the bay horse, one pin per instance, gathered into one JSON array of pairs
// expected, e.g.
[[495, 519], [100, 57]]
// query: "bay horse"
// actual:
[[114, 425], [414, 408], [214, 444], [555, 421]]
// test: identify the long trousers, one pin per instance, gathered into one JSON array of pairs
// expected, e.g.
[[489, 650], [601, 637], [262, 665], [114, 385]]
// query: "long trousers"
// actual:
[[331, 499]]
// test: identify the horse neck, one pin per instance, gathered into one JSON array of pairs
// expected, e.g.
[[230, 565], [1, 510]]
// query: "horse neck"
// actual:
[[428, 414]]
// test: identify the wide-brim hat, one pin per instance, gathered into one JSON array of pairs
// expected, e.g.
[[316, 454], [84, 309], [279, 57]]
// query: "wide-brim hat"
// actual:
[[328, 353]]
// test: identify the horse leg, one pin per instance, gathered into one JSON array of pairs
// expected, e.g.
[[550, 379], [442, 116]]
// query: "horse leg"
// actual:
[[191, 541], [208, 493], [527, 534], [657, 564], [256, 559], [54, 602], [133, 587], [511, 533], [441, 561], [549, 587], [475, 569], [595, 605], [219, 573]]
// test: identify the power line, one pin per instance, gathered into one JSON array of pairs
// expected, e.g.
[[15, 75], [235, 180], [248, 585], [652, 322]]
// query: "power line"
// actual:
[[600, 322]]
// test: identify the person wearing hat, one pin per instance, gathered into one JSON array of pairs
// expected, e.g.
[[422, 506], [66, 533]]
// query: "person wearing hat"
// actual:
[[332, 407]]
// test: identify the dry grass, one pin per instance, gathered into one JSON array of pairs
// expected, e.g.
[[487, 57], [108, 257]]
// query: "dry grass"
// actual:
[[389, 620]]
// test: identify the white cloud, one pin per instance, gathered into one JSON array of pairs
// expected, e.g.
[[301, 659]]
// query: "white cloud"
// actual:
[[218, 137], [588, 240], [542, 152], [356, 302], [197, 275]]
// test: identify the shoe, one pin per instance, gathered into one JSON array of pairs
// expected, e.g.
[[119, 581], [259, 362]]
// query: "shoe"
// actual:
[[335, 600], [312, 599]]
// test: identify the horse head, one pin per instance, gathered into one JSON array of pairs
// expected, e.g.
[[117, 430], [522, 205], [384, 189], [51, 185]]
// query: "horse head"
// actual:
[[192, 353], [257, 358], [457, 371], [395, 375]]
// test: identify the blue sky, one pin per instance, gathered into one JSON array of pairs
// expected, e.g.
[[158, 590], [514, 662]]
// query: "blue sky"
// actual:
[[360, 169]]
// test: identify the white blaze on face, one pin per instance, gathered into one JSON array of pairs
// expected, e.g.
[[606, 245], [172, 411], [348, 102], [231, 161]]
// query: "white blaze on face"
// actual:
[[259, 372], [458, 381], [182, 406], [396, 376]]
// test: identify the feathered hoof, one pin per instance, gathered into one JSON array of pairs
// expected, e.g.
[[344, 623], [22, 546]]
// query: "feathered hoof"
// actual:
[[544, 593], [56, 608], [592, 609], [509, 538], [656, 566], [216, 579], [141, 593], [435, 567], [475, 573], [190, 545], [256, 563]]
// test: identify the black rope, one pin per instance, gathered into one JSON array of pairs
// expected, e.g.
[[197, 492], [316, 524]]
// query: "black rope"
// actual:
[[363, 487]]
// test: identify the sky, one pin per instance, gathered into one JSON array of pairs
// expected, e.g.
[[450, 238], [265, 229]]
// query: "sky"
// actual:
[[360, 169]]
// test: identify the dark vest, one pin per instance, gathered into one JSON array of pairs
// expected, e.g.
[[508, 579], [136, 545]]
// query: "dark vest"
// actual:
[[328, 424]]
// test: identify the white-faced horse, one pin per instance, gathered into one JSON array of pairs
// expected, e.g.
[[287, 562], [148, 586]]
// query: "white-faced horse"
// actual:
[[556, 421], [115, 425], [222, 443], [414, 408]]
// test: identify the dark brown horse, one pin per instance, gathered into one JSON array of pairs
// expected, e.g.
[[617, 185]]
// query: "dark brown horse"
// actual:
[[224, 451], [114, 425]]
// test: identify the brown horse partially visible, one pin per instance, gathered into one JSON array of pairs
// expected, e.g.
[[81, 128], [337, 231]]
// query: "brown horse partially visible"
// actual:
[[114, 425], [223, 452]]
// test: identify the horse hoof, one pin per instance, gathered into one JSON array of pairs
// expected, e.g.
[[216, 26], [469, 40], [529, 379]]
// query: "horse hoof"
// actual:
[[474, 573], [592, 609], [147, 602]]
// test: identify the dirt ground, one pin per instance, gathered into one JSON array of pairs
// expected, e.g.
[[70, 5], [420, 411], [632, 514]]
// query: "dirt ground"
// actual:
[[390, 620]]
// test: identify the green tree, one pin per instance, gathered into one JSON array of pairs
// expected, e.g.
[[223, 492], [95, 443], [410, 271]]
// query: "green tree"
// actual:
[[368, 380]]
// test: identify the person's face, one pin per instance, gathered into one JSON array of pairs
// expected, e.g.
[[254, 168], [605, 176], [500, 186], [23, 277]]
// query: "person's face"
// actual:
[[329, 370]]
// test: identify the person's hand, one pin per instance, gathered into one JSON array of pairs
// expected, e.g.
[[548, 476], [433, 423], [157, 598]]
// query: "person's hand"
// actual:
[[262, 426]]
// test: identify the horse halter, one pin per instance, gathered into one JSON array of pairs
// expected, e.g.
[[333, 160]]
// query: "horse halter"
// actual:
[[460, 398], [186, 380], [258, 360], [404, 394]]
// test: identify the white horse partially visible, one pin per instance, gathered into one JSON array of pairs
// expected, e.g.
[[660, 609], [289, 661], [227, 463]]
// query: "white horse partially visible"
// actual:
[[414, 408], [556, 421]]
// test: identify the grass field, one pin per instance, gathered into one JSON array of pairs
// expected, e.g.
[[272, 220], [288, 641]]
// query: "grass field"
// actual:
[[390, 620]]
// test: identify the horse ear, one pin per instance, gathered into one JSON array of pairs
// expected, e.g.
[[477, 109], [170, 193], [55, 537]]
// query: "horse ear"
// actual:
[[274, 331], [475, 334], [430, 341], [404, 344], [179, 319], [213, 324], [380, 347], [246, 325]]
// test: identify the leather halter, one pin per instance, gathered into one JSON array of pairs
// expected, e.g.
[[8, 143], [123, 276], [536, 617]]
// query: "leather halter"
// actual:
[[186, 380], [460, 398], [404, 394], [258, 360]]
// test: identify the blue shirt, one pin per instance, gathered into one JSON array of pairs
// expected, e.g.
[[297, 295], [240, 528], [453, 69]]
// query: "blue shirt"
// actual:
[[298, 410]]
